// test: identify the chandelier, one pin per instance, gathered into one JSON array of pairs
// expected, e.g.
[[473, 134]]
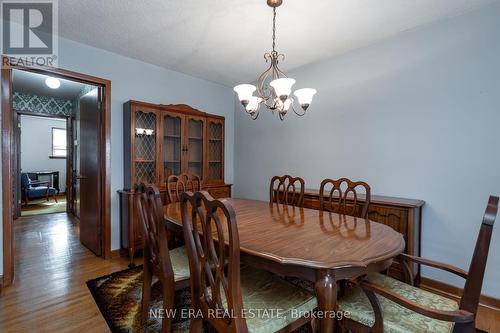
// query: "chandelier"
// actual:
[[274, 88]]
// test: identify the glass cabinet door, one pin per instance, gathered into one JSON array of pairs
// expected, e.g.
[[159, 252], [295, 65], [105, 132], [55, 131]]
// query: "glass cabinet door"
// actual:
[[172, 145], [215, 150], [145, 147], [195, 132]]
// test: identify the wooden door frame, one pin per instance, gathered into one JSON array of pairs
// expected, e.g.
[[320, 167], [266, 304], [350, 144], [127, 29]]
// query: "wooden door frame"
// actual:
[[7, 138]]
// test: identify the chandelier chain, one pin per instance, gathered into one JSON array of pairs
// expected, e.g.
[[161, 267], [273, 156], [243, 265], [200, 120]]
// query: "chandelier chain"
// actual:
[[274, 29]]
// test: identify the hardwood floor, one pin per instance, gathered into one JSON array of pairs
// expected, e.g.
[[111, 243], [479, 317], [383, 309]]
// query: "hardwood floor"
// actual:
[[51, 266]]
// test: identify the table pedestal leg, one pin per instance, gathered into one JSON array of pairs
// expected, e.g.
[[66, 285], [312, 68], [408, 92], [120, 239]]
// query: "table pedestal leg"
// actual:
[[326, 293]]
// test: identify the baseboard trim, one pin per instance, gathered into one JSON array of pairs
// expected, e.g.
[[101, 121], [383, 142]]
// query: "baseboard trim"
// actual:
[[449, 290]]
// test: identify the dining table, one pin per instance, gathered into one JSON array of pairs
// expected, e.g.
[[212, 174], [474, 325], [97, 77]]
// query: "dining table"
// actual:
[[316, 246]]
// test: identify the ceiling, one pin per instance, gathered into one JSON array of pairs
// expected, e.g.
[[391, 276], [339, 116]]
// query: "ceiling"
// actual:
[[224, 41], [32, 83]]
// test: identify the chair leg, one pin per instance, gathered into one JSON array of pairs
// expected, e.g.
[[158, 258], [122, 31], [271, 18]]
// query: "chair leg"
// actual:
[[55, 197], [147, 279], [196, 325], [168, 305]]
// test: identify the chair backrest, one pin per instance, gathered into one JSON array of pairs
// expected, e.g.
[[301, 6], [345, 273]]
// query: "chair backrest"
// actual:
[[25, 180], [343, 197], [149, 210], [211, 236], [182, 183], [287, 190], [474, 282]]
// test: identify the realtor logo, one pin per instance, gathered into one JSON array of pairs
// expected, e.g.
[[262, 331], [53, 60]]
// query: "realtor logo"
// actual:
[[29, 31]]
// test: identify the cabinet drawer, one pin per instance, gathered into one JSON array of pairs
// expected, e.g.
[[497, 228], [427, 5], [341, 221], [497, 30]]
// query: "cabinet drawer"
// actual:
[[220, 192]]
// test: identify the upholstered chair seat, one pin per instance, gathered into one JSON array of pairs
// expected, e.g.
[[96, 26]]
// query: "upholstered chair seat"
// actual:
[[41, 191], [397, 319], [266, 292], [180, 263]]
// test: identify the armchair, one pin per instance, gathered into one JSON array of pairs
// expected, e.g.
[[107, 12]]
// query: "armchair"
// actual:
[[381, 304], [35, 189]]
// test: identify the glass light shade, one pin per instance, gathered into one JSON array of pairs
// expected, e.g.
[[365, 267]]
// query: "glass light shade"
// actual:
[[305, 95], [282, 87], [244, 91], [52, 82], [283, 107], [287, 104], [253, 104]]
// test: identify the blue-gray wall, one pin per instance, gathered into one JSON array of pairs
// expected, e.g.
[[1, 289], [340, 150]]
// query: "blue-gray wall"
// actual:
[[133, 79], [417, 116]]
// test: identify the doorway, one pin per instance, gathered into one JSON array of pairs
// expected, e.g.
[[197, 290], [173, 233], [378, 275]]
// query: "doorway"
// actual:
[[46, 143], [43, 150], [86, 154]]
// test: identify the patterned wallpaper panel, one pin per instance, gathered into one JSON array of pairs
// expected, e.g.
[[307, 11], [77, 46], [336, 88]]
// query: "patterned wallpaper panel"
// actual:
[[42, 104]]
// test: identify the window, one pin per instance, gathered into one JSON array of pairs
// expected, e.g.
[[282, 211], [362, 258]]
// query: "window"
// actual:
[[59, 143]]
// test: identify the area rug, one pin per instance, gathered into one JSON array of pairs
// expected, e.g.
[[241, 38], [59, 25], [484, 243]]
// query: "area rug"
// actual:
[[42, 206], [118, 297]]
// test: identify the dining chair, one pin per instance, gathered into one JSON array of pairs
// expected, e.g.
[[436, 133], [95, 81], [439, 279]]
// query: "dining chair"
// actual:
[[405, 308], [343, 196], [222, 291], [287, 190], [171, 267], [176, 184]]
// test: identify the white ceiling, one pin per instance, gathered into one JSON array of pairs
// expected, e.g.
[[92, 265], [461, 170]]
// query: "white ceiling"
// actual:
[[34, 84], [224, 40]]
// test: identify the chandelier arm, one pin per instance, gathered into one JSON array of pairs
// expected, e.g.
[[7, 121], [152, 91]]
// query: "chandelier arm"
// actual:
[[295, 111], [280, 72], [261, 89], [275, 73]]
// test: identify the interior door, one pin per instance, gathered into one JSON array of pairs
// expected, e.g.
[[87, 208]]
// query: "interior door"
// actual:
[[90, 196]]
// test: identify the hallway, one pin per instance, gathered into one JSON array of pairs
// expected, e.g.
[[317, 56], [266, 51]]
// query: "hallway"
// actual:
[[51, 267]]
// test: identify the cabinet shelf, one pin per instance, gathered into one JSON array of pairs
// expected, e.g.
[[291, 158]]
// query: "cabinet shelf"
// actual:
[[215, 139], [172, 136], [144, 161], [195, 138], [214, 161], [172, 161]]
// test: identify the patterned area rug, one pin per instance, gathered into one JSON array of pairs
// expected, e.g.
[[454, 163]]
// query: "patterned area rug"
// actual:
[[118, 297]]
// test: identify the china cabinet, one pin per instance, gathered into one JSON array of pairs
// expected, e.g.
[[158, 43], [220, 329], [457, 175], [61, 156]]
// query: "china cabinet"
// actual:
[[162, 140]]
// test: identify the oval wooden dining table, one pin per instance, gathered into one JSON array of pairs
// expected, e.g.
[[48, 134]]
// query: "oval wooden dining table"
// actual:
[[320, 247]]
